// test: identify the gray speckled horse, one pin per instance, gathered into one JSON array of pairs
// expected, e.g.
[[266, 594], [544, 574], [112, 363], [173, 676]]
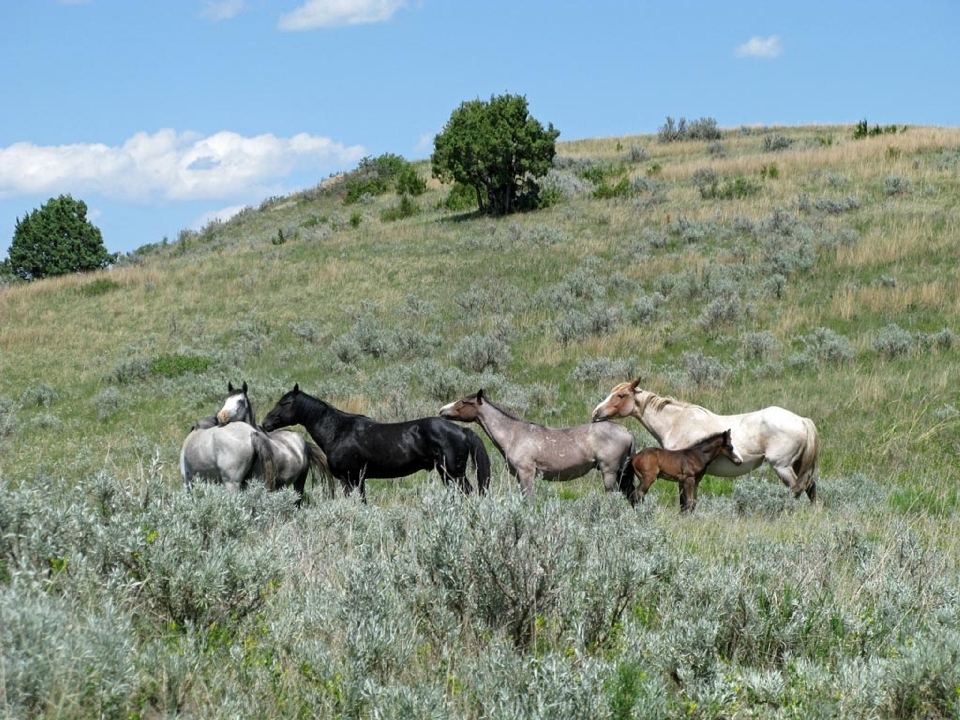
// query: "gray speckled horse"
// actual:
[[531, 449], [229, 454]]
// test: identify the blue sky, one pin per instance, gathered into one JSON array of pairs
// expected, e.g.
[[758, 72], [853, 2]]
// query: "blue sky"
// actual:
[[163, 114]]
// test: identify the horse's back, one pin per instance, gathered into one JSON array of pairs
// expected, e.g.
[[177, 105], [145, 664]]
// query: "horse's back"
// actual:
[[217, 453]]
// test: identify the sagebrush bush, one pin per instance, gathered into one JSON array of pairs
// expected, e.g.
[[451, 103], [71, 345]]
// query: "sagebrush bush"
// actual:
[[893, 341], [829, 346], [481, 351]]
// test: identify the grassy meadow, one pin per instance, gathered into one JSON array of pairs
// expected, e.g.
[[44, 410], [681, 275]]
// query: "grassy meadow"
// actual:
[[792, 266]]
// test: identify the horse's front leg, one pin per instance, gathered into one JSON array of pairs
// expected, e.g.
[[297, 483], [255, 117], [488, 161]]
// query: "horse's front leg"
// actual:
[[525, 476], [688, 494]]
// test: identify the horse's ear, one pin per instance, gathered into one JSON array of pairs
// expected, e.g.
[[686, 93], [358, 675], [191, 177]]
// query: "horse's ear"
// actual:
[[634, 385], [229, 386], [296, 387], [244, 387], [480, 395]]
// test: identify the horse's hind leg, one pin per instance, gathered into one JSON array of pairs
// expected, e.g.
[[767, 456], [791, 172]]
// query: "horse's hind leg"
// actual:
[[811, 491]]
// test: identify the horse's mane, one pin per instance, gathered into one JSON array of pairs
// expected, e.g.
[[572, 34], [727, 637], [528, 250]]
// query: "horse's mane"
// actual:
[[313, 402], [509, 414], [659, 402]]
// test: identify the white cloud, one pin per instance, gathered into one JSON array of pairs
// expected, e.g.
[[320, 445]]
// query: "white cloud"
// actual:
[[764, 47], [336, 13], [169, 165], [217, 10]]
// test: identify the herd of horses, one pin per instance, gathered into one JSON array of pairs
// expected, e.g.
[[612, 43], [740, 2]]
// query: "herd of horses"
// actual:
[[232, 448]]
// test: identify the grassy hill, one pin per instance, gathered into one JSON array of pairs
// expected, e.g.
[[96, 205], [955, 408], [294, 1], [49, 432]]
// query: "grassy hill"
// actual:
[[792, 266]]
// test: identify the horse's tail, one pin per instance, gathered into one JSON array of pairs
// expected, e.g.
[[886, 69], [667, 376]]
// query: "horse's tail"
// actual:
[[481, 460], [317, 460], [264, 462], [806, 466], [626, 478]]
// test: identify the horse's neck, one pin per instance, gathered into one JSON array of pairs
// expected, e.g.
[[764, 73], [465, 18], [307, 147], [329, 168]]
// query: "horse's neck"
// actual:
[[321, 420], [496, 423], [657, 416], [707, 452], [248, 417]]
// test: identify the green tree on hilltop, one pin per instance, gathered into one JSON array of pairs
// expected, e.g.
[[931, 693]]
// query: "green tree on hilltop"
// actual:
[[498, 149], [57, 239]]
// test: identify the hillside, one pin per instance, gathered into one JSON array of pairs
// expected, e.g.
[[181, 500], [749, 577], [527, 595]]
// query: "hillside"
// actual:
[[791, 266], [825, 282]]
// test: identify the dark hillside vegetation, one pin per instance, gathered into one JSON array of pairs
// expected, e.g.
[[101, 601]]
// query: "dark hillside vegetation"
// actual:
[[802, 267]]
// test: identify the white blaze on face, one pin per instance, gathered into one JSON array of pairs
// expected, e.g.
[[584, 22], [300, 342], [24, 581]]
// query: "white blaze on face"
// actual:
[[448, 407], [596, 410], [738, 459], [230, 410]]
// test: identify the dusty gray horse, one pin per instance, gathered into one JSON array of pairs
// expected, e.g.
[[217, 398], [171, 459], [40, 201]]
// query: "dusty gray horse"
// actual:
[[294, 457], [231, 454], [531, 449]]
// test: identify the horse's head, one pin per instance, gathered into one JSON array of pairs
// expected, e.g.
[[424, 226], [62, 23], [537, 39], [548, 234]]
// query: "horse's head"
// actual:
[[619, 403], [236, 406], [283, 414], [465, 409], [728, 450]]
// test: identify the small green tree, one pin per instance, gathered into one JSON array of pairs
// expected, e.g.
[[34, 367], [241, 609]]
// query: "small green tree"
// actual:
[[57, 239], [498, 149]]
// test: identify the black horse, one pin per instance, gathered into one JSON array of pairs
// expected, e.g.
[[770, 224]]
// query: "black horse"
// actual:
[[358, 447]]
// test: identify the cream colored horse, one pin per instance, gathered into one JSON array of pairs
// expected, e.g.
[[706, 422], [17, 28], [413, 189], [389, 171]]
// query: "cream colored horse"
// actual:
[[788, 442]]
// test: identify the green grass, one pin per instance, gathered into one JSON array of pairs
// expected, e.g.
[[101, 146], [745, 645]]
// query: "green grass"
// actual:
[[758, 604]]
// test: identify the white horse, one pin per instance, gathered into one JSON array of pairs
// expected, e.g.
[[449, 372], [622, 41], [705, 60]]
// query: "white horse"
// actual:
[[230, 455], [788, 442], [293, 456]]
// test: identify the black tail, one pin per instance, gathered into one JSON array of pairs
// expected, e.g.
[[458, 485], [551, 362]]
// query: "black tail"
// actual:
[[317, 459], [265, 465], [625, 476], [481, 461]]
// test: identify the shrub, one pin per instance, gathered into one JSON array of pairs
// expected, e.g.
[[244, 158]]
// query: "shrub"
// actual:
[[893, 341], [776, 143], [703, 129], [56, 654], [896, 185], [724, 310], [596, 370], [761, 345], [480, 352], [836, 206], [646, 308], [706, 181], [863, 130], [174, 365], [107, 402], [8, 417], [129, 371], [409, 181], [100, 286], [702, 371], [828, 346], [460, 197], [405, 209]]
